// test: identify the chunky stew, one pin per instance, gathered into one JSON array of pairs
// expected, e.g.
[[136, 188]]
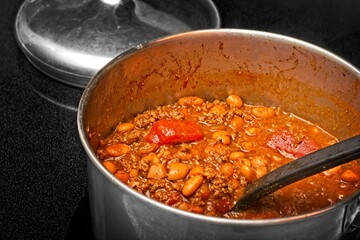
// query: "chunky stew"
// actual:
[[198, 156]]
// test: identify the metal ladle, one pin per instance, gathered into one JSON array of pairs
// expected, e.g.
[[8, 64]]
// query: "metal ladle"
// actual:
[[311, 164]]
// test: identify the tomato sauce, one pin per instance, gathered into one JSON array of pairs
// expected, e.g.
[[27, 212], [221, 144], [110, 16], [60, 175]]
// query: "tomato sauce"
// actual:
[[199, 156]]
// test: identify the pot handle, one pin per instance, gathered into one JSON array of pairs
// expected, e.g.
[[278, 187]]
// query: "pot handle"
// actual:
[[352, 216]]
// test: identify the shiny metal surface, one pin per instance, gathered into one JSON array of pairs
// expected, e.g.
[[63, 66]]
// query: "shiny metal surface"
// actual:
[[213, 64], [71, 40]]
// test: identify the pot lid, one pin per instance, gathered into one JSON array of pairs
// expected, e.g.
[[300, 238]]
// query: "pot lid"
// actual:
[[70, 40]]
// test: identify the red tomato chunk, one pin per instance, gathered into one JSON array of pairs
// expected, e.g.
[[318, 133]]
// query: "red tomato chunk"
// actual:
[[287, 145], [174, 131]]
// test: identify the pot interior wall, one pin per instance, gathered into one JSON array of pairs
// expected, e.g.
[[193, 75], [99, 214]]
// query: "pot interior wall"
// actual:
[[262, 69]]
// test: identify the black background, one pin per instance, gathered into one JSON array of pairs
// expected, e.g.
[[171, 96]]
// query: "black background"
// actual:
[[43, 186]]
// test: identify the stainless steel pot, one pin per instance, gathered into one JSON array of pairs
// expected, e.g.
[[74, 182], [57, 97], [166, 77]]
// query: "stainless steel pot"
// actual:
[[263, 68]]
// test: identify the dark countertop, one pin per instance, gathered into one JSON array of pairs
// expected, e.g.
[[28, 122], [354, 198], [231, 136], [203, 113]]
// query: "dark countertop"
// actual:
[[42, 164]]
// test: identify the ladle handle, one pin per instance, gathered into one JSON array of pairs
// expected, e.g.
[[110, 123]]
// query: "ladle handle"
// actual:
[[311, 164]]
